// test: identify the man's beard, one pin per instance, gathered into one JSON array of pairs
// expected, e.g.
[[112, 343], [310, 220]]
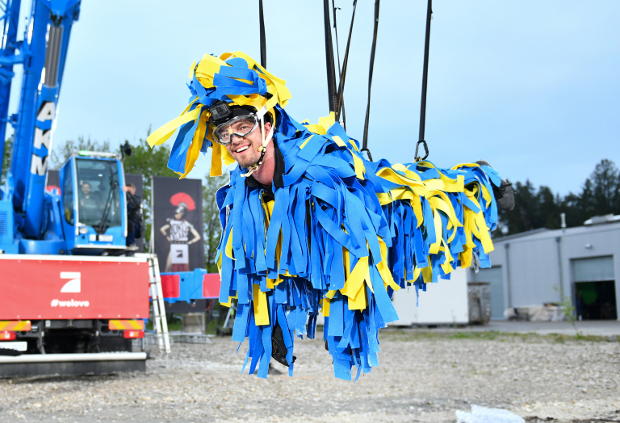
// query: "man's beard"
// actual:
[[247, 162]]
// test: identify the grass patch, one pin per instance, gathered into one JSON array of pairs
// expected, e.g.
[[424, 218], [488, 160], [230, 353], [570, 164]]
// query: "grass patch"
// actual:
[[418, 335]]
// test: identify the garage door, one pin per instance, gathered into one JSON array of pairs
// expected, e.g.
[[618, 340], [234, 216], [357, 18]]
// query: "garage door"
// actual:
[[593, 269]]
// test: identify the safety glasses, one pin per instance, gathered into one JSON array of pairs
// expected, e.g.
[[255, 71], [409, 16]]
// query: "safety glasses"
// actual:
[[240, 126]]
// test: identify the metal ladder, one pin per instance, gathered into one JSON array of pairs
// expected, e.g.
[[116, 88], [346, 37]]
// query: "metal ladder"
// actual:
[[159, 310]]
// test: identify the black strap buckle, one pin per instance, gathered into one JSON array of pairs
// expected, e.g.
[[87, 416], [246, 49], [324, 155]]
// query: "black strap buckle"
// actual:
[[418, 158]]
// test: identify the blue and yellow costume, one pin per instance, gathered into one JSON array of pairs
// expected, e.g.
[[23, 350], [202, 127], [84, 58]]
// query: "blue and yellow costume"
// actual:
[[341, 234]]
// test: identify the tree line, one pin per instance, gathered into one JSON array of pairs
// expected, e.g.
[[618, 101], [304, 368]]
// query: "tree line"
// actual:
[[540, 208]]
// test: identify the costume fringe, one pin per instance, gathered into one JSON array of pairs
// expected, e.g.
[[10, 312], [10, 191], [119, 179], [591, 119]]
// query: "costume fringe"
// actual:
[[341, 235]]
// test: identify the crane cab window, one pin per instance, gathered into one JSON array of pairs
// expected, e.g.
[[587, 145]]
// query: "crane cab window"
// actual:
[[99, 193]]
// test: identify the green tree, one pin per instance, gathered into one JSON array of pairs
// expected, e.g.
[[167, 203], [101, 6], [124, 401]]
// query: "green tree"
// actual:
[[606, 188], [533, 209], [212, 225], [600, 195]]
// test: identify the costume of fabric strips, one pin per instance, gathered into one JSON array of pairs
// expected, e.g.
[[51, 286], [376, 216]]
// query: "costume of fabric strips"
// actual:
[[342, 233]]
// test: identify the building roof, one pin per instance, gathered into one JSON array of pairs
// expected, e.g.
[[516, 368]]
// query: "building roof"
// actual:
[[544, 233]]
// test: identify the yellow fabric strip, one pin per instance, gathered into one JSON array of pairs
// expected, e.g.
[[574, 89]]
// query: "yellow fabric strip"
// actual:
[[229, 248], [434, 248], [316, 129], [360, 302], [194, 149], [427, 274], [327, 121], [261, 311], [383, 269], [305, 142], [355, 281], [339, 141], [466, 256], [330, 294], [483, 231], [325, 308], [359, 167], [162, 134], [216, 160]]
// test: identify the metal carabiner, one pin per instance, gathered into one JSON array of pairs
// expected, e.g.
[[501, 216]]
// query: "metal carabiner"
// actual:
[[418, 158], [367, 153]]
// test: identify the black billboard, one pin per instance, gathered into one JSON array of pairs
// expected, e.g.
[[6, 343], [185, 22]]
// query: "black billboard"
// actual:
[[178, 225]]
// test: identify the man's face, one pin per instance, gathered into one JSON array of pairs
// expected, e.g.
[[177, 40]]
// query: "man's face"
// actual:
[[85, 188], [245, 149]]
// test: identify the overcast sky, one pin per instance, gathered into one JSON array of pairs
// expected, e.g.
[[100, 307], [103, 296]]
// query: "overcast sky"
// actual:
[[532, 87]]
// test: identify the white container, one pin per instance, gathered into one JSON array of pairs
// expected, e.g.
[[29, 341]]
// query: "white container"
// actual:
[[444, 302]]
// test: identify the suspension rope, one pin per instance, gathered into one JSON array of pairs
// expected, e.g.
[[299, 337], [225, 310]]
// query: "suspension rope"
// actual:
[[343, 74], [429, 14], [263, 41], [329, 58], [344, 117], [372, 64]]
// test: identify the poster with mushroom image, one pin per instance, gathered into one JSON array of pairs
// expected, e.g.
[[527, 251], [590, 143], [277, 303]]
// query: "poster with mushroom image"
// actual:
[[178, 226]]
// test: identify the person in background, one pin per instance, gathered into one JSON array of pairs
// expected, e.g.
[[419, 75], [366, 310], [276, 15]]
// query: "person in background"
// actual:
[[134, 215]]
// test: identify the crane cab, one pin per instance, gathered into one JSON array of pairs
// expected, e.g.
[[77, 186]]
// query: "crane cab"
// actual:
[[94, 207]]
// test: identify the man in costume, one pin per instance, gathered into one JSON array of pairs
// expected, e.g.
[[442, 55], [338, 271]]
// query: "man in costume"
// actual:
[[309, 225]]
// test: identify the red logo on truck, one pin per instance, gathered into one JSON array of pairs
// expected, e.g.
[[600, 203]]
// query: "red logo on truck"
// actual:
[[42, 288]]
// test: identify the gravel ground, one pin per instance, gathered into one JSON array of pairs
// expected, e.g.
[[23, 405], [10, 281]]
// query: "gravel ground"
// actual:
[[423, 377]]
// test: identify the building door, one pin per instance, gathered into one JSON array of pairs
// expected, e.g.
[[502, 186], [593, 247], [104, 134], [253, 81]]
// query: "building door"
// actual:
[[595, 291], [493, 275]]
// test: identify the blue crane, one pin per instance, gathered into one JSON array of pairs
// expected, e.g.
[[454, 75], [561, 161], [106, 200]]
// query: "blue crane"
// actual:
[[59, 293], [89, 216]]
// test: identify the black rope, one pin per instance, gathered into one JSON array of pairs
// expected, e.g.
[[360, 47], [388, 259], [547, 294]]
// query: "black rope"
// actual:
[[343, 74], [263, 41], [421, 140], [335, 9], [329, 58], [372, 64]]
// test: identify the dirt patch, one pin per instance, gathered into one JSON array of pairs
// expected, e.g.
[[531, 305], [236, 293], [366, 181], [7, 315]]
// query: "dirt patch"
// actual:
[[422, 378]]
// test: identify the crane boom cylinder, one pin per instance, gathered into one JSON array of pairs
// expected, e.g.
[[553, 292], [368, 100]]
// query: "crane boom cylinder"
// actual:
[[52, 56]]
